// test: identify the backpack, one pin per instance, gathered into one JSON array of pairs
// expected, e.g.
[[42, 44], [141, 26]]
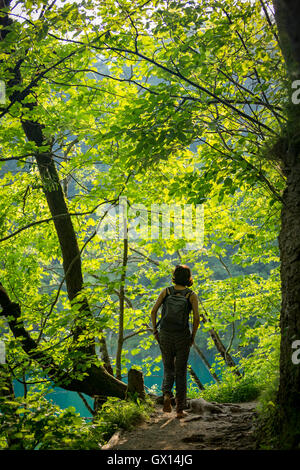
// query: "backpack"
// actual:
[[176, 308]]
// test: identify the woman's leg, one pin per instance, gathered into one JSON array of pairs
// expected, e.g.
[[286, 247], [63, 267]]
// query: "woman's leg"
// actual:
[[166, 344], [182, 354]]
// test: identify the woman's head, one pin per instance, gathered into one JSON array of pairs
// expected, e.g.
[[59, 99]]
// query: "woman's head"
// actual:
[[182, 275]]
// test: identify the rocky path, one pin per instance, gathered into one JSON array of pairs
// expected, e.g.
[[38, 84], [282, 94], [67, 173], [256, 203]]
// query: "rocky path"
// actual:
[[230, 427]]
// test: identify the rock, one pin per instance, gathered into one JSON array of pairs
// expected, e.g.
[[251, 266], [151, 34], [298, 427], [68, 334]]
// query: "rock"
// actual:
[[113, 441], [201, 406]]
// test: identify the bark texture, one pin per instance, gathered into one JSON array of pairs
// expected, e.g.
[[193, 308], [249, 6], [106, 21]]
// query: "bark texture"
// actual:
[[289, 243], [287, 14]]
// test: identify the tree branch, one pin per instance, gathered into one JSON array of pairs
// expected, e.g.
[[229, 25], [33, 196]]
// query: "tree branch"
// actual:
[[49, 219], [178, 74], [145, 256]]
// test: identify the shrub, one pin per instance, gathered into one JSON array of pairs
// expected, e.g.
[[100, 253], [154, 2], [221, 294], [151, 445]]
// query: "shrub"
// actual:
[[120, 414], [35, 423], [230, 390]]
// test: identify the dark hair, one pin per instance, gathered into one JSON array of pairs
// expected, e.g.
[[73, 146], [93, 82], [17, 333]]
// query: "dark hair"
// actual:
[[182, 275]]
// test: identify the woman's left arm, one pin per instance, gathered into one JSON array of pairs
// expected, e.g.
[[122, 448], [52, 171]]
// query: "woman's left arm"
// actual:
[[196, 319]]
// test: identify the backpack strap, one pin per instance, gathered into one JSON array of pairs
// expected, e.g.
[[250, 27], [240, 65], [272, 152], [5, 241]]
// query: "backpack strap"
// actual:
[[187, 296], [189, 293], [171, 290]]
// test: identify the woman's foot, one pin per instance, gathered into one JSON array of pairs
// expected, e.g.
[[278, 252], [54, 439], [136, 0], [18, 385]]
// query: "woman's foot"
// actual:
[[167, 408]]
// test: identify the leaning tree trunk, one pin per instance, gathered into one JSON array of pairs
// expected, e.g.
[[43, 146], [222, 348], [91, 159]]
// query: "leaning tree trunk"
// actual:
[[71, 256], [97, 380], [195, 378], [287, 14], [220, 346], [206, 363]]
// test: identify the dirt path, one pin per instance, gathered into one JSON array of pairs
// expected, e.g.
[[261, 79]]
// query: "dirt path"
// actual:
[[231, 429]]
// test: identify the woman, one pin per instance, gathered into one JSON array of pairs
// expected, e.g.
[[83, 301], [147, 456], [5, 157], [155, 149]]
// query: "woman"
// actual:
[[174, 337]]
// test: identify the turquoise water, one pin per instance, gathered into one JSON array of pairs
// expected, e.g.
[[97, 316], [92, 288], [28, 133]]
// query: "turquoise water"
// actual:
[[64, 398]]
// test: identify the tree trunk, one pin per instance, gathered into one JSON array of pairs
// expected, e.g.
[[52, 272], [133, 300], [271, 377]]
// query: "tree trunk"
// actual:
[[97, 382], [223, 351], [289, 243], [70, 252], [6, 384], [121, 312], [135, 384], [7, 393], [105, 356], [287, 15], [195, 378], [205, 361], [62, 221], [220, 346]]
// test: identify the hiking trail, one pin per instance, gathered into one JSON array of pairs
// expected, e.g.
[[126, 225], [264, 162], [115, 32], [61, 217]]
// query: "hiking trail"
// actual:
[[213, 426]]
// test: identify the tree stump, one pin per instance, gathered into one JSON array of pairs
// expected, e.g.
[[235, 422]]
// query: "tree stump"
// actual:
[[135, 384]]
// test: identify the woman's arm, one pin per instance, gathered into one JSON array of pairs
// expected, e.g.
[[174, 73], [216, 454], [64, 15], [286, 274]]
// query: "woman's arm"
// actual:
[[196, 319], [155, 309]]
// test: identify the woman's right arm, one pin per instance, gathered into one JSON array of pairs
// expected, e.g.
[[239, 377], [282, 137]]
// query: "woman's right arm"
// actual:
[[155, 309]]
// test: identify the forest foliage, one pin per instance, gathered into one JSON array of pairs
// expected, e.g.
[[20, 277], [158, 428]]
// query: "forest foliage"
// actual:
[[162, 103]]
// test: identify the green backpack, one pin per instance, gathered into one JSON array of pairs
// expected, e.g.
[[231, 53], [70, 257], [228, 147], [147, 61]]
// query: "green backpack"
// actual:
[[176, 309]]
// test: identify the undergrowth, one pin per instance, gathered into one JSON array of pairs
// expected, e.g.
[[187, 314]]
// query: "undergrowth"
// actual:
[[35, 423], [231, 390], [120, 414]]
